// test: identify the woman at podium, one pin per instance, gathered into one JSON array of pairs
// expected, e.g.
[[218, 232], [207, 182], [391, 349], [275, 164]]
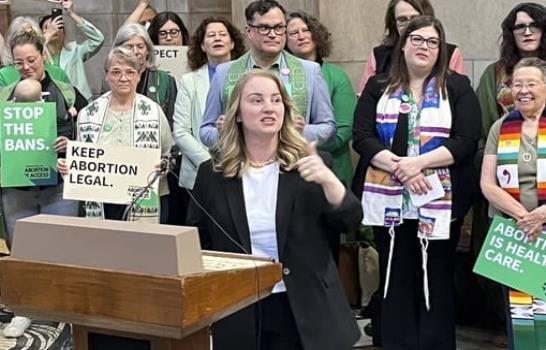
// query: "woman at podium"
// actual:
[[267, 192]]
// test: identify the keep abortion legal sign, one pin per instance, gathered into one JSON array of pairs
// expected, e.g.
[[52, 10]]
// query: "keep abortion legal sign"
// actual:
[[110, 173]]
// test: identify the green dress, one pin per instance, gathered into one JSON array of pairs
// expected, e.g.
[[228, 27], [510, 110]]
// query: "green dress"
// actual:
[[344, 102]]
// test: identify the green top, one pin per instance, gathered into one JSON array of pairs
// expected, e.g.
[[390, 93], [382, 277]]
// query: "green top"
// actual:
[[495, 100], [344, 102], [527, 170], [9, 74]]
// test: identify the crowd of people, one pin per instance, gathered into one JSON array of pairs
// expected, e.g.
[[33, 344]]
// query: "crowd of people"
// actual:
[[261, 138]]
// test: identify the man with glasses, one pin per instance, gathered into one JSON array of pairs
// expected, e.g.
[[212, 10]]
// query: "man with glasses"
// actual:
[[266, 32]]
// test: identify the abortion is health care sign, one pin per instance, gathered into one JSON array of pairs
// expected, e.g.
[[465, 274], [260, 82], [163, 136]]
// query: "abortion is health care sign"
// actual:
[[27, 136], [508, 257]]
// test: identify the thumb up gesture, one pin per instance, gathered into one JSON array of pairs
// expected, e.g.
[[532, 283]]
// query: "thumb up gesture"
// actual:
[[313, 169]]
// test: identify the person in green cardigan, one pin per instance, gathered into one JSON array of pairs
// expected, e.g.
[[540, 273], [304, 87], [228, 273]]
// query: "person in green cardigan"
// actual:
[[309, 39]]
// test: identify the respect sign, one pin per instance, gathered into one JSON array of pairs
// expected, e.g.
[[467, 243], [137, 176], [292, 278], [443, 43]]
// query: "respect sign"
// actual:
[[108, 173], [508, 257], [27, 133], [173, 59]]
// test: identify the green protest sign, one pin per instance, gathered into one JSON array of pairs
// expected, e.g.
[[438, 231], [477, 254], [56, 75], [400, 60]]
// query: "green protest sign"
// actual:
[[27, 135], [508, 257]]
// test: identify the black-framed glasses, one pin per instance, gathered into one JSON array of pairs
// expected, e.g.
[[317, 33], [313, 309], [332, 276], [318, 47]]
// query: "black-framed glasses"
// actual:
[[417, 40], [403, 21], [265, 29], [522, 28], [172, 32]]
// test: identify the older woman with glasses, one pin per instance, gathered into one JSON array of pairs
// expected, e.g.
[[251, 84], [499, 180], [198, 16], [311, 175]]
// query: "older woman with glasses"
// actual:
[[416, 129], [511, 183], [522, 36], [158, 85], [398, 15], [119, 117]]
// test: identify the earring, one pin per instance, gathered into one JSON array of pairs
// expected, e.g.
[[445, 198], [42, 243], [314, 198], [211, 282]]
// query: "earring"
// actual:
[[238, 120]]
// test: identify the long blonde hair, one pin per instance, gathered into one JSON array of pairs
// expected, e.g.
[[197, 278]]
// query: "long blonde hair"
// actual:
[[230, 156]]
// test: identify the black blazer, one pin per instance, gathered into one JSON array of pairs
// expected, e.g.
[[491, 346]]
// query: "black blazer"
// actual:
[[304, 220], [462, 143]]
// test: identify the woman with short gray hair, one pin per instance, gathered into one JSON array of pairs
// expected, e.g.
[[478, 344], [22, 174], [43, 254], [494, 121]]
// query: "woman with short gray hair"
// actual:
[[160, 87], [120, 117]]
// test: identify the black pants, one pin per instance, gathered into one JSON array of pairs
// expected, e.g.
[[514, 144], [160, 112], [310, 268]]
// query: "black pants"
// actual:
[[266, 325], [405, 322], [178, 202], [278, 328]]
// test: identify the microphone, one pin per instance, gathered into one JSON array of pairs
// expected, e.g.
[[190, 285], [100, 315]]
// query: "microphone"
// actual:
[[165, 165]]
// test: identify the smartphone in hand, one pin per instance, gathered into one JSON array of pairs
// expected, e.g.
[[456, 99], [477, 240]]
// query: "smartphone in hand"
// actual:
[[56, 12]]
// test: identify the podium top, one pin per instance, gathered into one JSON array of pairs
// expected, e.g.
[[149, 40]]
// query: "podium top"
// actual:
[[163, 306], [108, 244]]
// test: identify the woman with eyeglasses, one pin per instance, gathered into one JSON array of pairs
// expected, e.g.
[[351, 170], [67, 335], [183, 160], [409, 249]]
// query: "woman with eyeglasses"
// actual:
[[9, 73], [398, 15], [153, 83], [416, 130], [511, 183], [122, 116], [522, 36], [168, 29], [164, 28], [28, 53]]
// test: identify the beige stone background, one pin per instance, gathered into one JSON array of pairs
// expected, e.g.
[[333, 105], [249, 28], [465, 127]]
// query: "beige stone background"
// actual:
[[356, 25]]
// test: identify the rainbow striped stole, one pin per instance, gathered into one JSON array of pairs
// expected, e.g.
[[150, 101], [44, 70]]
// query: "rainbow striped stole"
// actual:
[[508, 153]]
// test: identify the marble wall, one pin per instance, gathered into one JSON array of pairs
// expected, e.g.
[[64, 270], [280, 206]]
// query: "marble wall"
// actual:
[[356, 25]]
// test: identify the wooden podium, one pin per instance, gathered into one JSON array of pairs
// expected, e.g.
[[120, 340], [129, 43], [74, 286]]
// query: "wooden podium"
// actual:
[[168, 312]]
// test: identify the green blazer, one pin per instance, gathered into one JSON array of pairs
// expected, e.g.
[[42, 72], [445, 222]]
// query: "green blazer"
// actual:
[[343, 99]]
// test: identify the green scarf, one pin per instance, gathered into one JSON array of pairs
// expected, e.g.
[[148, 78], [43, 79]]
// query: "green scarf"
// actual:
[[291, 72]]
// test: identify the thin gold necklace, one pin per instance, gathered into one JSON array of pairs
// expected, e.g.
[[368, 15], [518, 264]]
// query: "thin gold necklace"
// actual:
[[262, 163]]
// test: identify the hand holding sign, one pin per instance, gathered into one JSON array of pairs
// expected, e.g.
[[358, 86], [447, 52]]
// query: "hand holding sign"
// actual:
[[60, 144], [532, 222]]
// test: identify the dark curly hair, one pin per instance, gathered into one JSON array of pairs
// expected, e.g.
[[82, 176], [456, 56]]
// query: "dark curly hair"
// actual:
[[159, 21], [391, 31], [197, 57], [319, 33], [509, 52]]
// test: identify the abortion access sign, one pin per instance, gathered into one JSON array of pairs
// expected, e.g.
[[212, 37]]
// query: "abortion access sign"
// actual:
[[27, 133], [510, 258]]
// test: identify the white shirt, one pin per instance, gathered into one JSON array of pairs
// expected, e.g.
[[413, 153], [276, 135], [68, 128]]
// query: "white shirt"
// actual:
[[260, 192]]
